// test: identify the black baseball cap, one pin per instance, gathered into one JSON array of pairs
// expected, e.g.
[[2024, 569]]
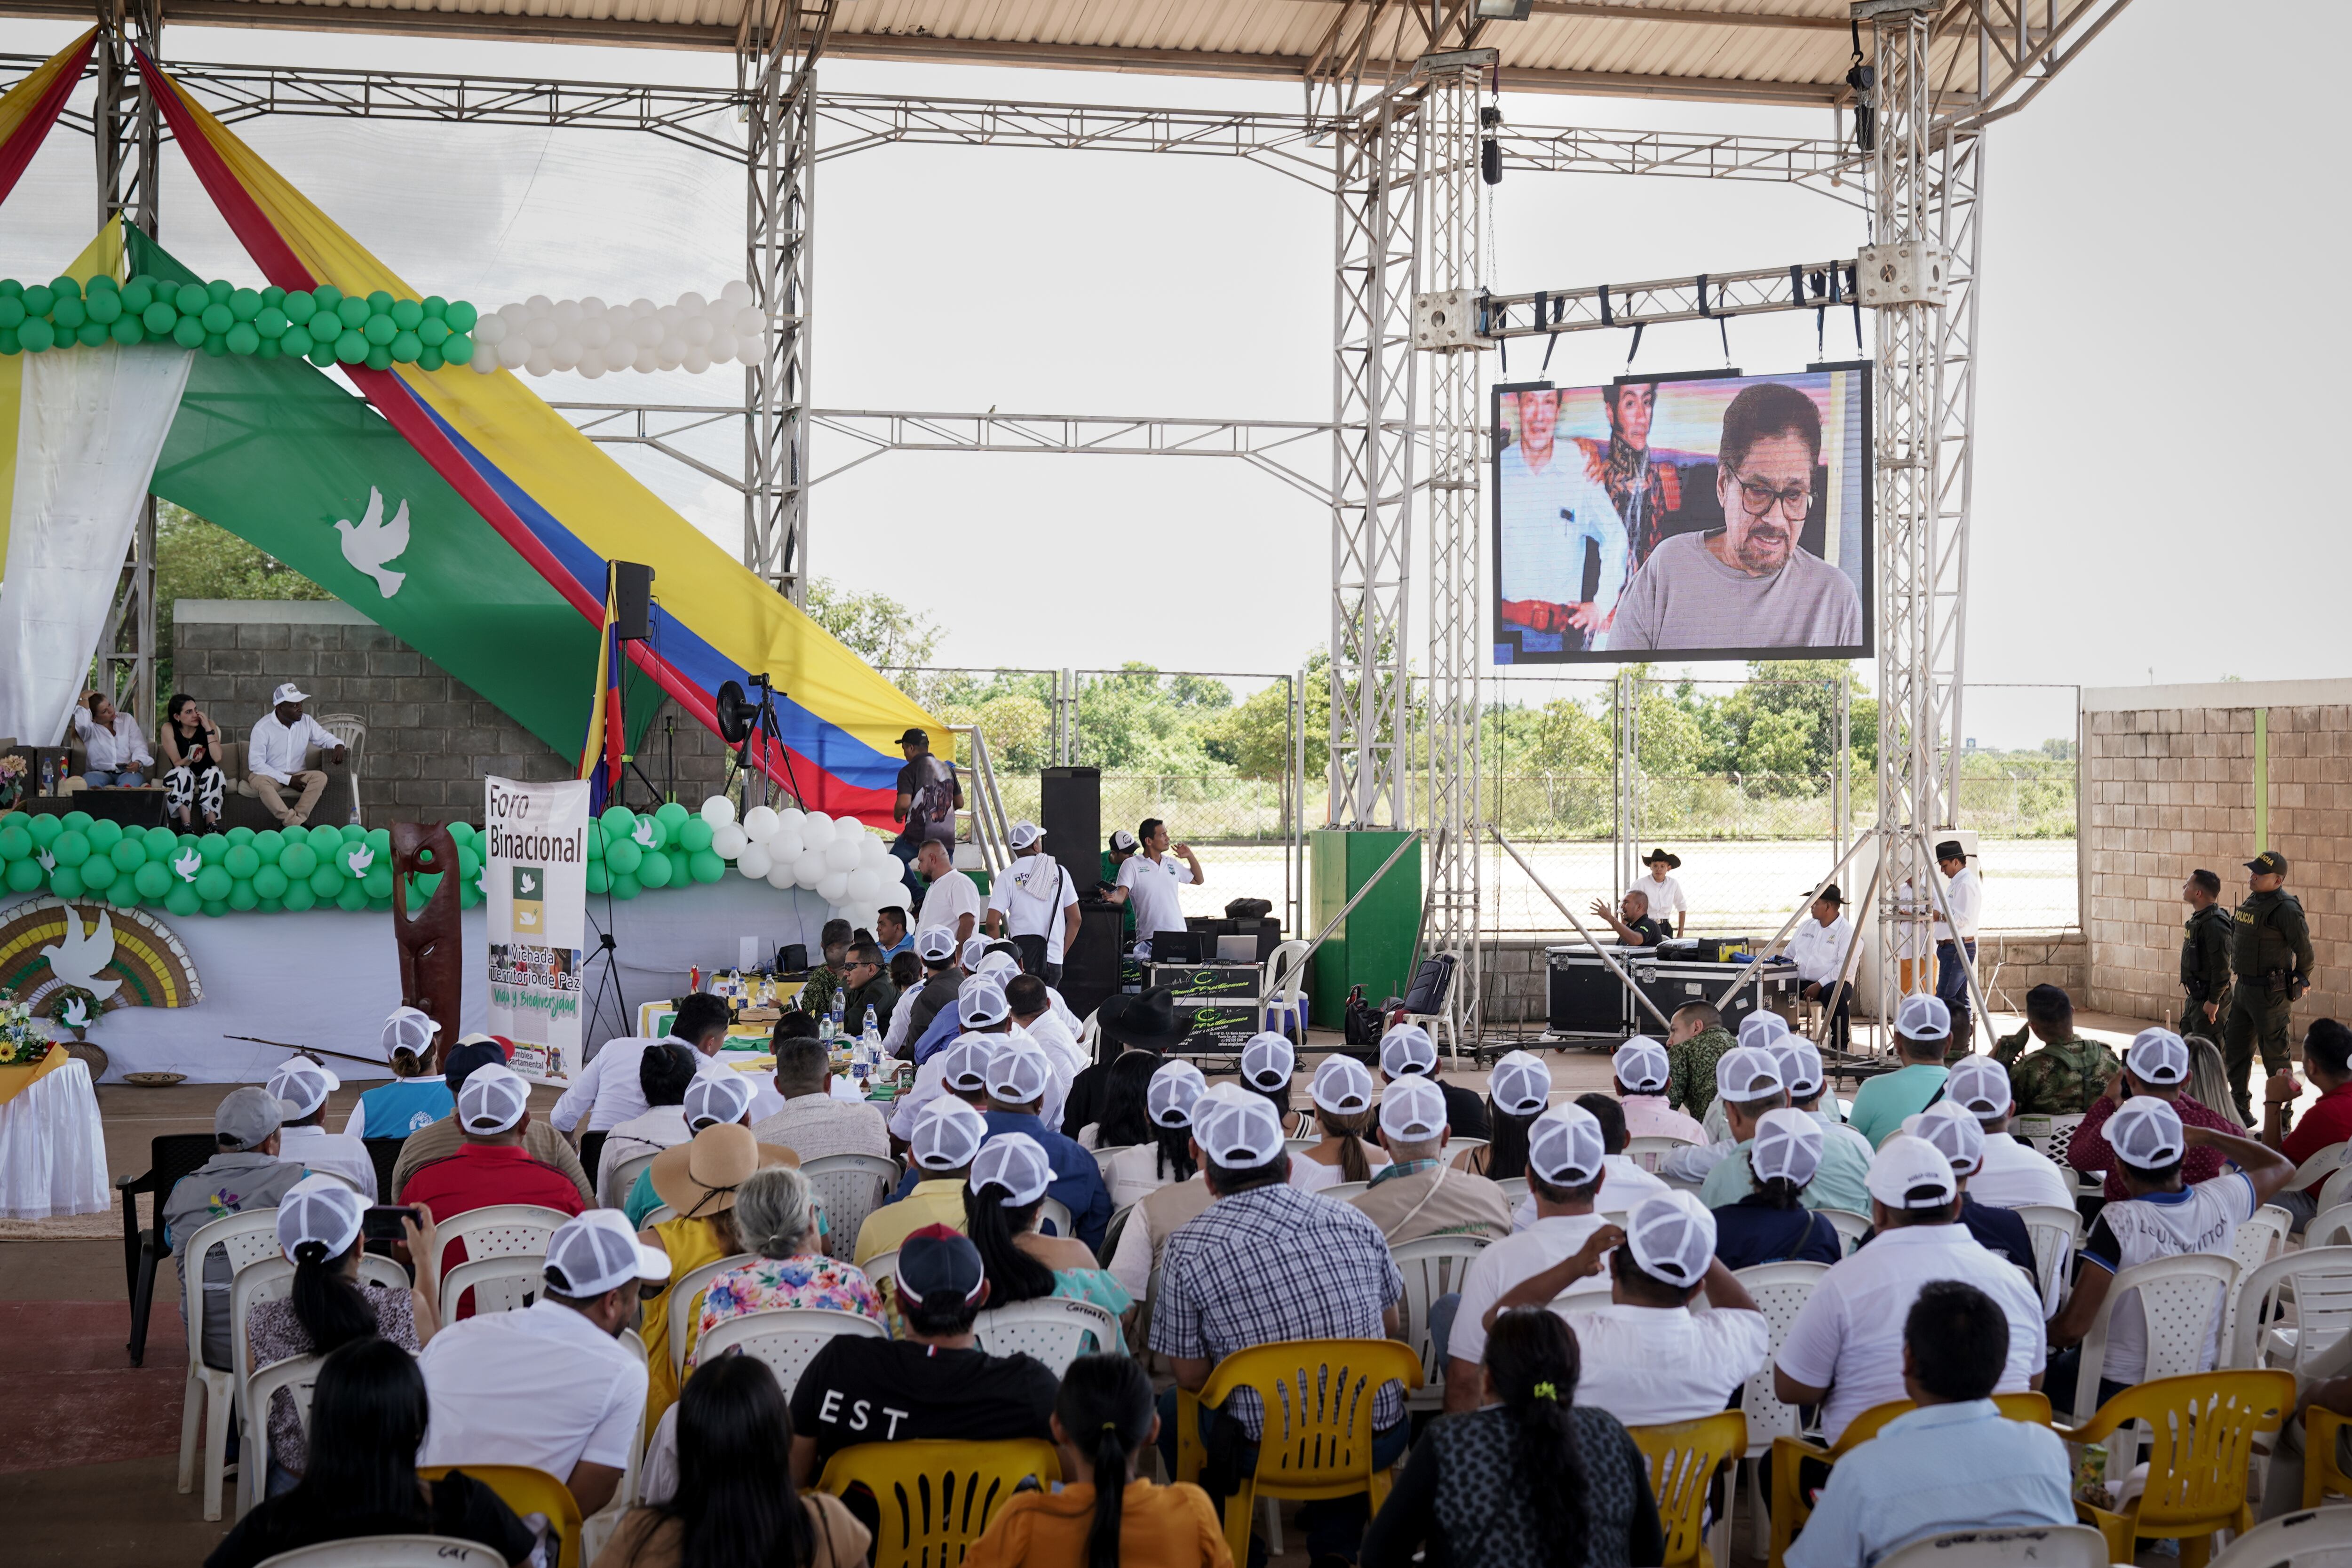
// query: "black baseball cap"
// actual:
[[939, 1260], [2269, 863], [915, 738], [474, 1051]]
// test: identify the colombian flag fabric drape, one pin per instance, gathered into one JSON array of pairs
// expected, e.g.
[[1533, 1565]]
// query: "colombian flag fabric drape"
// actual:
[[33, 105], [569, 510]]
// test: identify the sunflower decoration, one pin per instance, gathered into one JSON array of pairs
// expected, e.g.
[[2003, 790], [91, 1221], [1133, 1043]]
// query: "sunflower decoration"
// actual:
[[22, 1041]]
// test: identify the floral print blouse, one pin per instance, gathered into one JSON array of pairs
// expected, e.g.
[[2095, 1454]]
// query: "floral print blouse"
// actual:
[[770, 1284]]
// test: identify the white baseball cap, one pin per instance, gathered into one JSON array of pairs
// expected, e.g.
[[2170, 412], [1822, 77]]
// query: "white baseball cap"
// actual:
[[1565, 1146], [597, 1251], [1788, 1146], [935, 944], [493, 1099], [1746, 1073], [1121, 841], [2145, 1132], [1800, 1066], [1953, 1128], [1981, 1085], [2156, 1055], [303, 1085], [1672, 1237], [1171, 1095], [288, 692], [1407, 1048], [994, 963], [975, 948], [319, 1209], [1905, 1166], [1762, 1028], [1342, 1086], [1238, 1133], [1412, 1110], [1017, 1163], [1017, 1071], [948, 1134], [1268, 1061], [717, 1097], [963, 1066], [408, 1029], [1640, 1065], [1024, 833], [1521, 1085], [979, 1003], [1923, 1018]]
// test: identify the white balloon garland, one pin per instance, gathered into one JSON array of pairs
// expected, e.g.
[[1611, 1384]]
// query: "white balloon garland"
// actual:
[[540, 336], [851, 869]]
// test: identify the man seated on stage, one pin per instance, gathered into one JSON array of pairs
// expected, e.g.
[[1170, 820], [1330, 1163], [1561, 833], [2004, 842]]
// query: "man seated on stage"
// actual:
[[303, 1085], [829, 976], [114, 751], [1818, 947], [278, 750], [2067, 1073], [891, 933], [868, 996], [1636, 929]]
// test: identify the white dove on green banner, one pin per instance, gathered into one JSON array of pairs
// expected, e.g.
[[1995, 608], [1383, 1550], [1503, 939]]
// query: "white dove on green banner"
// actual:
[[371, 544]]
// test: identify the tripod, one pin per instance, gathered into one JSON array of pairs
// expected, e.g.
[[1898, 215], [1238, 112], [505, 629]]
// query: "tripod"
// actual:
[[757, 723]]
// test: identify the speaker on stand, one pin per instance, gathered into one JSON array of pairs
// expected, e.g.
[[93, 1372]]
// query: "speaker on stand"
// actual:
[[1070, 808]]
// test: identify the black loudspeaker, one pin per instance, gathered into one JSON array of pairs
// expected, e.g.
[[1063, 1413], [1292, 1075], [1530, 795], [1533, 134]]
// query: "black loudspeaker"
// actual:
[[1090, 967], [633, 601], [1070, 808]]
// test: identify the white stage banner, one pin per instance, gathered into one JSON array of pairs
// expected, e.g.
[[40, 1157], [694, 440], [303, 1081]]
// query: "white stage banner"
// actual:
[[535, 892]]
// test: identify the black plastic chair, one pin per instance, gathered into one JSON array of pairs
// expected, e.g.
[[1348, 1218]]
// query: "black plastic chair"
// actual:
[[169, 1157]]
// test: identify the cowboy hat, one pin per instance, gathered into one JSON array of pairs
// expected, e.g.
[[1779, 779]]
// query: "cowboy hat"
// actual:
[[1654, 856], [699, 1178], [1145, 1021]]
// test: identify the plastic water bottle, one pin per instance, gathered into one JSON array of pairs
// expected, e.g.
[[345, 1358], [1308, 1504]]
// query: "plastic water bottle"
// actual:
[[869, 1045], [832, 1030]]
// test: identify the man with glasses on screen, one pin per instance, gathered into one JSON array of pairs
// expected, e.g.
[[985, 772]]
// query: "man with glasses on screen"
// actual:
[[1550, 508], [1748, 584]]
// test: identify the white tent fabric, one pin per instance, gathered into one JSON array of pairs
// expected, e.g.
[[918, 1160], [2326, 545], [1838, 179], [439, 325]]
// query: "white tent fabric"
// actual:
[[91, 425]]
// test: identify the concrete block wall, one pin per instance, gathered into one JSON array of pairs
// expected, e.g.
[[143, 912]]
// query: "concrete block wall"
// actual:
[[431, 740], [2171, 775]]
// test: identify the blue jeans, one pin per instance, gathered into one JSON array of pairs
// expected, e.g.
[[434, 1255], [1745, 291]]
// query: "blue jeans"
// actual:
[[1952, 984], [904, 850], [97, 778], [1335, 1527]]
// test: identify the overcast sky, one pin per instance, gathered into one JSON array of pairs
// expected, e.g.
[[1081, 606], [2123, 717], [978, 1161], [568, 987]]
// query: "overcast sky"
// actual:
[[2146, 216]]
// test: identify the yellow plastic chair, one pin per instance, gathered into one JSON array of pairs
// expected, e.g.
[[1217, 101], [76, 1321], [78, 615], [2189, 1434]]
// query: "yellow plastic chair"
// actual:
[[528, 1490], [1683, 1457], [1316, 1441], [1789, 1508], [2201, 1431], [935, 1497], [2321, 1472]]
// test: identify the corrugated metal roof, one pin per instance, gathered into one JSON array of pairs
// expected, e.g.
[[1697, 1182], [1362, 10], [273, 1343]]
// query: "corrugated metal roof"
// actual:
[[1792, 51]]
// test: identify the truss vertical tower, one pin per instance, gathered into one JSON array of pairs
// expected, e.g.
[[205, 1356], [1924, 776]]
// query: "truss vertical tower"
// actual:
[[130, 185]]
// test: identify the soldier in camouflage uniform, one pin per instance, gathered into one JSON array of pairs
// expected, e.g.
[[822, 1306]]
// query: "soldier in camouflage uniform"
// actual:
[[2067, 1074], [2271, 962], [2205, 941], [1697, 1041]]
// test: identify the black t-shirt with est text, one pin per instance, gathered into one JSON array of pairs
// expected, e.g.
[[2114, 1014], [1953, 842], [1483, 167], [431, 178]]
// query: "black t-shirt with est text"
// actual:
[[896, 1390]]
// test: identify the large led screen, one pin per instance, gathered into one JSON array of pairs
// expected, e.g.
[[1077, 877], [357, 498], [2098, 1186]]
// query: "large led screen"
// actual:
[[1711, 515]]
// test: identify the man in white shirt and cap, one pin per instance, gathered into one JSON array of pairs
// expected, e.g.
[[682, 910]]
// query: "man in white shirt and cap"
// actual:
[[2015, 1174], [1035, 904], [1748, 1072], [277, 756], [1419, 1194], [1149, 879], [1844, 1352], [1840, 1182], [1818, 947], [551, 1387], [303, 1085], [1762, 1030]]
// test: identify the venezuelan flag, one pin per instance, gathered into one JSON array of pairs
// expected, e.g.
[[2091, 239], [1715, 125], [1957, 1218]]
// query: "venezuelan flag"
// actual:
[[567, 509]]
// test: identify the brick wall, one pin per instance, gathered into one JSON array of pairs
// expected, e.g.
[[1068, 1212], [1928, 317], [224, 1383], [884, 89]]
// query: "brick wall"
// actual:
[[2171, 776], [430, 738]]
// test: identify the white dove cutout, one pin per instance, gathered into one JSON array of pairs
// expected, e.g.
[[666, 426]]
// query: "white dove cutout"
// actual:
[[644, 833], [358, 860], [188, 864], [74, 1014], [79, 958], [48, 861], [526, 918], [371, 544]]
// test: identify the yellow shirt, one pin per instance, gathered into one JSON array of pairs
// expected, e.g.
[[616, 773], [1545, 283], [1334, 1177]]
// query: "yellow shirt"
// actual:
[[1159, 1527], [931, 1202], [691, 1243]]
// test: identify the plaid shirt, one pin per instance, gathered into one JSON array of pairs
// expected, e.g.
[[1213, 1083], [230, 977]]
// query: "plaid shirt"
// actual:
[[1269, 1265]]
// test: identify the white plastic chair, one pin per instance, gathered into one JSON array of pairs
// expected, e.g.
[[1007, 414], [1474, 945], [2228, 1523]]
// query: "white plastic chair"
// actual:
[[1432, 1267], [2047, 1135], [1286, 988], [1103, 1158], [2317, 1284], [1585, 1296], [1053, 1329], [2337, 1189], [2022, 1546], [2317, 1167], [2055, 1233], [1513, 1188], [351, 730], [656, 1215], [1647, 1151], [2332, 1227], [2182, 1298], [1344, 1190], [271, 1279], [1781, 1292], [1456, 1148], [685, 1304], [1851, 1227], [209, 1398], [786, 1339], [623, 1177], [496, 1230], [880, 1266], [1055, 1210], [2253, 1243], [297, 1375], [390, 1551], [1295, 1147], [507, 1283], [598, 1528], [848, 1187], [2308, 1538]]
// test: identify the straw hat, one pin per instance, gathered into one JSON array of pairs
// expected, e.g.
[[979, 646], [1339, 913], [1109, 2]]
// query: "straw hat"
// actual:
[[699, 1178]]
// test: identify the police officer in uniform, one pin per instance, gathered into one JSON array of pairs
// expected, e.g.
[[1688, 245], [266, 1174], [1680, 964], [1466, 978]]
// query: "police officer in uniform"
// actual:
[[2205, 942], [2271, 962]]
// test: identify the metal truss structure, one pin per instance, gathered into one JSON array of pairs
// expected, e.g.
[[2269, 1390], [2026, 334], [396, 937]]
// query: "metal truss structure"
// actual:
[[1759, 291]]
